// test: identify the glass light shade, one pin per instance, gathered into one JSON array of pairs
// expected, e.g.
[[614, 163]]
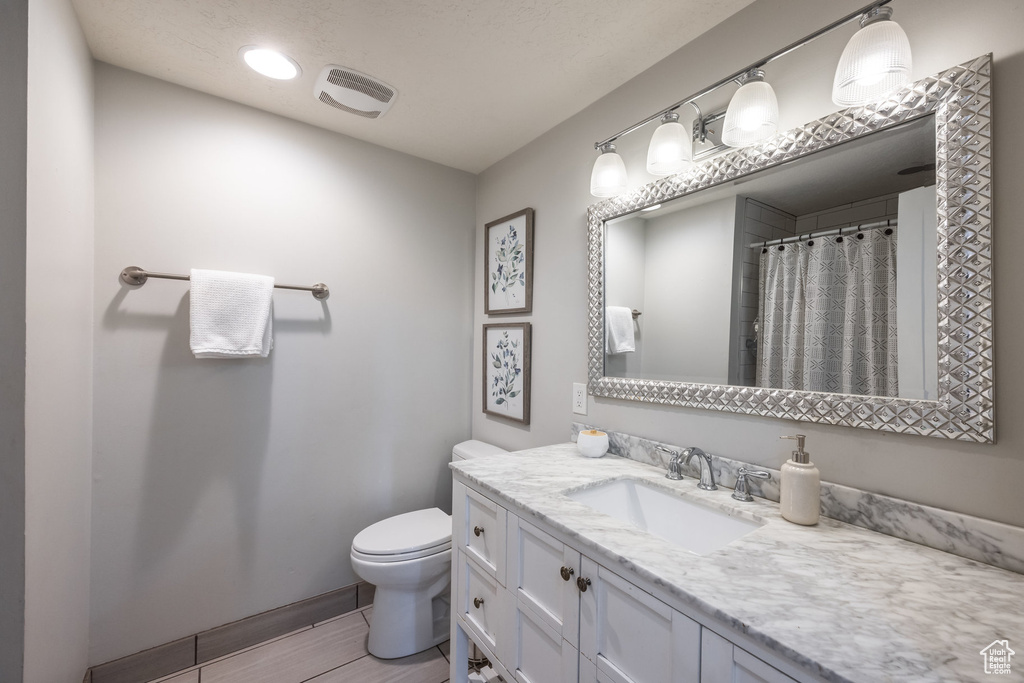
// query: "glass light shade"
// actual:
[[875, 64], [609, 176], [671, 149], [270, 63], [753, 114]]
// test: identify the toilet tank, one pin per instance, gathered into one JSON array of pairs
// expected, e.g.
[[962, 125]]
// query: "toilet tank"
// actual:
[[468, 450]]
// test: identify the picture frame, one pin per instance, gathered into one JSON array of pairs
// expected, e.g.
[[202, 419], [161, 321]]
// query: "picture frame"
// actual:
[[506, 370], [508, 264]]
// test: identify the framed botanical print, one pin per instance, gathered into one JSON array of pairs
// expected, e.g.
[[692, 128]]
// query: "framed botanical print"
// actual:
[[506, 370], [508, 259]]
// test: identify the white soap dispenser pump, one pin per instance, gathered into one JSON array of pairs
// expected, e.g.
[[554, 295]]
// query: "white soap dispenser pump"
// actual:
[[800, 495]]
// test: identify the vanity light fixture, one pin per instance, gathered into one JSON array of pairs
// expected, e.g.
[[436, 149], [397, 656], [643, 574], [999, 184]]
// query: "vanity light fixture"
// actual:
[[671, 149], [753, 113], [270, 63], [608, 178], [879, 65], [875, 63]]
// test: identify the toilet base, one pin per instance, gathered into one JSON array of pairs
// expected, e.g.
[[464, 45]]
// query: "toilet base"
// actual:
[[406, 622]]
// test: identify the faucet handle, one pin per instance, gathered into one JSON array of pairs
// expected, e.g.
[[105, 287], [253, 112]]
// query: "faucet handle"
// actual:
[[742, 490], [673, 464]]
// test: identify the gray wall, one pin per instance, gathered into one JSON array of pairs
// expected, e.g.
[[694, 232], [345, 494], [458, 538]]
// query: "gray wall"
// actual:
[[228, 487], [59, 325], [13, 150], [624, 274], [551, 174], [688, 293], [46, 194]]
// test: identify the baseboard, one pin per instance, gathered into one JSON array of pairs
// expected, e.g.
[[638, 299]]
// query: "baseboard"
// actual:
[[199, 648]]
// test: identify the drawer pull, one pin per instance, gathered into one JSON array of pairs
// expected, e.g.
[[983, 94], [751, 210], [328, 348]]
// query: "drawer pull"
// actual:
[[567, 572], [477, 602], [582, 584], [478, 530]]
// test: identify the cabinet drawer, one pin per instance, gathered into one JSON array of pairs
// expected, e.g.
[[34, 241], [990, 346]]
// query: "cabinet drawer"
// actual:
[[479, 530], [479, 602]]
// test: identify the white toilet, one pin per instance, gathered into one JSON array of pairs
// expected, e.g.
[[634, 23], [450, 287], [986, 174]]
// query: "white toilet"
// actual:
[[408, 558]]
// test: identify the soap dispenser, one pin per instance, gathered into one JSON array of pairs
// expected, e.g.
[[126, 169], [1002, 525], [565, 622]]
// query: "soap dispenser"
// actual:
[[800, 485]]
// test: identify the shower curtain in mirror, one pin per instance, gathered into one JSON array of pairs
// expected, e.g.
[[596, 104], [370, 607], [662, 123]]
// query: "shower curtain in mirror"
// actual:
[[828, 315]]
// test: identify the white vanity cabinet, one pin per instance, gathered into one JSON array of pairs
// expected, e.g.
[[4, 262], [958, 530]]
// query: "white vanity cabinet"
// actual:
[[544, 613]]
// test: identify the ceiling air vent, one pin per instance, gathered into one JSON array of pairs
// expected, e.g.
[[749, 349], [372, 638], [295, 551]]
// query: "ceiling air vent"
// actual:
[[354, 92]]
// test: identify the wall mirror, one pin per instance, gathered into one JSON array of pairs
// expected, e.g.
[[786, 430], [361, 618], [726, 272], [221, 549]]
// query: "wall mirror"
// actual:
[[838, 273]]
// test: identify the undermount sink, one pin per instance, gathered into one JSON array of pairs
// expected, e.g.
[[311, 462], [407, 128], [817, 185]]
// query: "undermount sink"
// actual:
[[691, 526]]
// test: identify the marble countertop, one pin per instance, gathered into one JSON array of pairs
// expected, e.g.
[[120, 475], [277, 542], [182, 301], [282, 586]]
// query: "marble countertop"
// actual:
[[843, 603]]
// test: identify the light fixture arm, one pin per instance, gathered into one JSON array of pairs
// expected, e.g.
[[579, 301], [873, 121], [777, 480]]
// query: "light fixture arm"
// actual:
[[702, 125], [756, 65]]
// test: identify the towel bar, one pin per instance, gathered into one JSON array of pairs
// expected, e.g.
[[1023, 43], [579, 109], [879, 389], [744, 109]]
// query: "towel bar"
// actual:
[[135, 276]]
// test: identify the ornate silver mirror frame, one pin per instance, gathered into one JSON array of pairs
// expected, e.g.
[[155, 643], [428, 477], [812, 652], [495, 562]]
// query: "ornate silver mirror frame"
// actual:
[[960, 99]]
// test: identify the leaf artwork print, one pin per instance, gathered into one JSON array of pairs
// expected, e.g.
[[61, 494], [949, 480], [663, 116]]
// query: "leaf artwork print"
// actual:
[[506, 360], [510, 258]]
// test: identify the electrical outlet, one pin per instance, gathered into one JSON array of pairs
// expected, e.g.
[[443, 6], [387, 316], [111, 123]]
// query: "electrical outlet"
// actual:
[[579, 398]]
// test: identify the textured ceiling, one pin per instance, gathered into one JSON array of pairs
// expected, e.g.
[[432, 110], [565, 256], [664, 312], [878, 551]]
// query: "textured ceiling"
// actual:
[[477, 79]]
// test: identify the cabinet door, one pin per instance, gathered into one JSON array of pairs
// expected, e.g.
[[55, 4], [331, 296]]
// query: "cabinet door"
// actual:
[[632, 637], [723, 662], [542, 575], [478, 528], [534, 651]]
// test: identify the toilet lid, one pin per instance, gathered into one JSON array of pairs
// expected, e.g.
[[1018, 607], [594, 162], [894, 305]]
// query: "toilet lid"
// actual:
[[406, 533]]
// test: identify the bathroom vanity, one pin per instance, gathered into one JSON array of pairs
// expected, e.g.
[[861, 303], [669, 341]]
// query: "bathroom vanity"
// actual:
[[555, 578]]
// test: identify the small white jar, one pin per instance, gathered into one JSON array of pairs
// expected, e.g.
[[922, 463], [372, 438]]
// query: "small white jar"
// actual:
[[592, 443]]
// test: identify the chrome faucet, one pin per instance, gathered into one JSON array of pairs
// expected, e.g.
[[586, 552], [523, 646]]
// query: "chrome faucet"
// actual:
[[680, 458], [707, 475]]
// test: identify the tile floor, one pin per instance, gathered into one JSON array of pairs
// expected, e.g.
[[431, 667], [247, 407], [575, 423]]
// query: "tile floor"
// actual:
[[333, 651]]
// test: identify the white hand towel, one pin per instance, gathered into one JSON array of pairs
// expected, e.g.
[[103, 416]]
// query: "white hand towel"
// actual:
[[231, 314], [618, 336]]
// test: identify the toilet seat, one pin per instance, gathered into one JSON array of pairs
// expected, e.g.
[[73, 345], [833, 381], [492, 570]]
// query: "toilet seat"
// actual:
[[405, 537], [426, 552]]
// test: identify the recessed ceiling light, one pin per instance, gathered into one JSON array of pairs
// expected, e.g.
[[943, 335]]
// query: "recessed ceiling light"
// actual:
[[651, 208], [270, 63]]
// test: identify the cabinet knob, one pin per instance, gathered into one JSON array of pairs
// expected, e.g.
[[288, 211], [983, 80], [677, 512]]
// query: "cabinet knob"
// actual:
[[478, 530], [567, 572], [477, 602], [582, 584]]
